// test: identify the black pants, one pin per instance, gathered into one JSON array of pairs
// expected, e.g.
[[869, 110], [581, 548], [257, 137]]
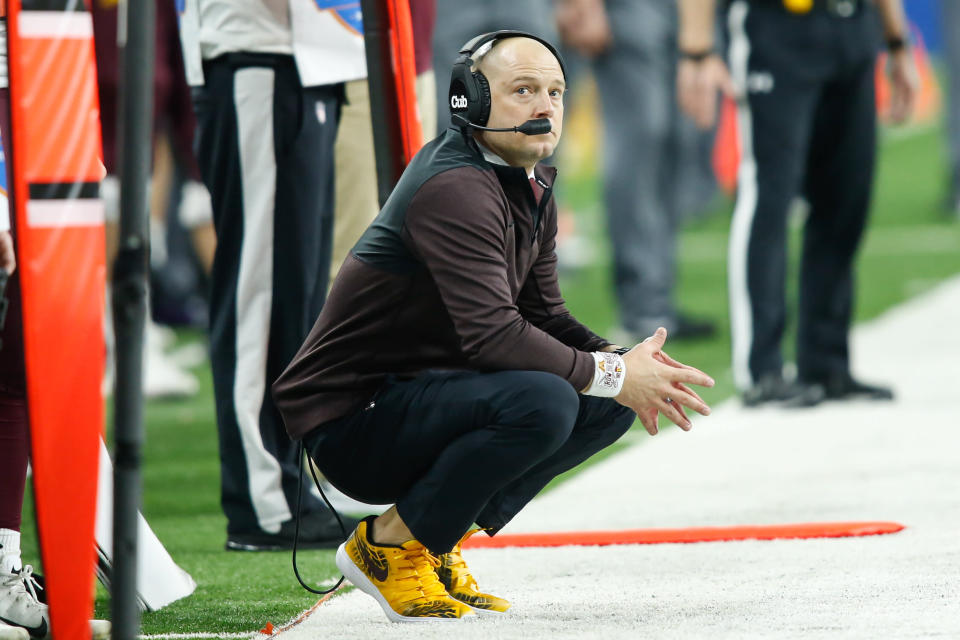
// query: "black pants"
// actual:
[[454, 448], [807, 127], [265, 149], [14, 427]]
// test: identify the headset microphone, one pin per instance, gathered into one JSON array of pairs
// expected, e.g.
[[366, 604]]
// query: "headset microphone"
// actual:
[[536, 127]]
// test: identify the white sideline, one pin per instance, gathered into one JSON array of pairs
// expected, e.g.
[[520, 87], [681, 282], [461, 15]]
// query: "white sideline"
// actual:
[[859, 461]]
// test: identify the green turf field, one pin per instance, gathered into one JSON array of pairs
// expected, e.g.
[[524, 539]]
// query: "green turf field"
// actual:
[[910, 247]]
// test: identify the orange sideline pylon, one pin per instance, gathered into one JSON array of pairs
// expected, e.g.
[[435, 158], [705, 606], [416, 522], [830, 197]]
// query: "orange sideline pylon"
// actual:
[[693, 534], [56, 170]]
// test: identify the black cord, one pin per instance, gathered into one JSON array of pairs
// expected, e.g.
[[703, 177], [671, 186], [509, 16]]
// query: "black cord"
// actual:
[[296, 534]]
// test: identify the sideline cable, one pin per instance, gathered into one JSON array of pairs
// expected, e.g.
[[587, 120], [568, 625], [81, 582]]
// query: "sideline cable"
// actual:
[[296, 534]]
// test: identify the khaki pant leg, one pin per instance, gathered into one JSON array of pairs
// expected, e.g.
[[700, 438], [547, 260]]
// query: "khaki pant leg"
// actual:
[[426, 87], [356, 171]]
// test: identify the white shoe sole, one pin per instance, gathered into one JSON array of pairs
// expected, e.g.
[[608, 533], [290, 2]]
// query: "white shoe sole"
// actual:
[[100, 629], [8, 632], [353, 573]]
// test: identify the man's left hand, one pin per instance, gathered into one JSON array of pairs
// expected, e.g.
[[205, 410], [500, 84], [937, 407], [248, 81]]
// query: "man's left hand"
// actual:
[[904, 83]]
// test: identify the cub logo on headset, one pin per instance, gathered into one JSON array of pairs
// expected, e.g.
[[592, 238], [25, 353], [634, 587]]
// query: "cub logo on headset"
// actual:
[[458, 97]]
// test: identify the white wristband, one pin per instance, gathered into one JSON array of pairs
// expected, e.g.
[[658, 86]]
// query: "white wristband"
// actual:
[[608, 376]]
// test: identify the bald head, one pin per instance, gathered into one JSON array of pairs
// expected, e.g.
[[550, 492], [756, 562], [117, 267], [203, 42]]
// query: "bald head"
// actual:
[[511, 53]]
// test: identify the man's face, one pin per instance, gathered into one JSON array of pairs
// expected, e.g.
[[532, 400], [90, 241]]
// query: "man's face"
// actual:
[[526, 83]]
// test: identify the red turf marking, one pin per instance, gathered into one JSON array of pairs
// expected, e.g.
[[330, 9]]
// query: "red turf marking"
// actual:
[[303, 616], [696, 534]]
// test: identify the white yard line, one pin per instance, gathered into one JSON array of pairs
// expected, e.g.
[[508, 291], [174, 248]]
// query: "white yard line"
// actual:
[[858, 461]]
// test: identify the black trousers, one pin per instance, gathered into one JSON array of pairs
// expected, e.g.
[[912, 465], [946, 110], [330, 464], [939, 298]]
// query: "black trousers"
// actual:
[[454, 448], [808, 127], [14, 427], [265, 150]]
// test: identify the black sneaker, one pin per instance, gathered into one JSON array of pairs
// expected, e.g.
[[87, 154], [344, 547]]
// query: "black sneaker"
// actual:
[[771, 387], [842, 386], [318, 530]]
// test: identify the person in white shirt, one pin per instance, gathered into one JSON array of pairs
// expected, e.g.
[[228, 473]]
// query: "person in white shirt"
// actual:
[[267, 78]]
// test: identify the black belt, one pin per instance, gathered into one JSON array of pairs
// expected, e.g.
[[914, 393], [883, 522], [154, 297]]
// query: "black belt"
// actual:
[[250, 59]]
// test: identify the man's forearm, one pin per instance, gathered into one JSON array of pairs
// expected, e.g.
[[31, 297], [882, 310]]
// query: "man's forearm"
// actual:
[[696, 25], [893, 18]]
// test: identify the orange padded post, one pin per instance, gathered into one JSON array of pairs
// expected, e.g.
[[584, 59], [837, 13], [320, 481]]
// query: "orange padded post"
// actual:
[[56, 170]]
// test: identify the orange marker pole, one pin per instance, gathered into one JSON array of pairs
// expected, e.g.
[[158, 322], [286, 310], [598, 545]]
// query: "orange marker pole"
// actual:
[[405, 77], [391, 75], [56, 145]]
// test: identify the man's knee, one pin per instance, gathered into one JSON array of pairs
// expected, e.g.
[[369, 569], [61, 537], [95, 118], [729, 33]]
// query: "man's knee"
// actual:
[[545, 402], [606, 418], [622, 420]]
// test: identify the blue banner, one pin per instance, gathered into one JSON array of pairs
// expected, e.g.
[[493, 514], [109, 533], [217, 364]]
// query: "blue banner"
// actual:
[[348, 11]]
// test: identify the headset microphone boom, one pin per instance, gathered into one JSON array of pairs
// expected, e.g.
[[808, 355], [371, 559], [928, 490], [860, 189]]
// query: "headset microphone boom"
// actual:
[[536, 127]]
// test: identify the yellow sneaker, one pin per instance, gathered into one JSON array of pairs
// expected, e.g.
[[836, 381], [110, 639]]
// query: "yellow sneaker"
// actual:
[[402, 579], [460, 583]]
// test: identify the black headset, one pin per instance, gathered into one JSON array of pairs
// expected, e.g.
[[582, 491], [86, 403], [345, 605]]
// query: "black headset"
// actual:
[[469, 95]]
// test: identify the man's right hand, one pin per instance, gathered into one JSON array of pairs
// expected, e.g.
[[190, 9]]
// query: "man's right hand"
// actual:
[[698, 82], [656, 383], [584, 26]]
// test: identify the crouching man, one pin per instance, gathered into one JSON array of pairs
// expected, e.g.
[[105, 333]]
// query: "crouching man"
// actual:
[[445, 374]]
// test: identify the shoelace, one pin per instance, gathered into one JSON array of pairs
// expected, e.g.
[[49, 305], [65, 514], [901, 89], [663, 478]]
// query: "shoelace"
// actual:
[[23, 587], [422, 564], [458, 566], [29, 582], [459, 570]]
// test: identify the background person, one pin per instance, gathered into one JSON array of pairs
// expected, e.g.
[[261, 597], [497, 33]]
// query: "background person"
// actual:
[[803, 73], [951, 50], [356, 172], [656, 162], [268, 88], [164, 376], [443, 373]]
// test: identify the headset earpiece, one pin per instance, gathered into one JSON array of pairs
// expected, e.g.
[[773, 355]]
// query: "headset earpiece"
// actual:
[[462, 87], [479, 111]]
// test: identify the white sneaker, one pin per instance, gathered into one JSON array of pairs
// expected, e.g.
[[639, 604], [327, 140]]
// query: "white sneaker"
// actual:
[[22, 611], [162, 376], [189, 355], [19, 606], [100, 629], [13, 633]]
